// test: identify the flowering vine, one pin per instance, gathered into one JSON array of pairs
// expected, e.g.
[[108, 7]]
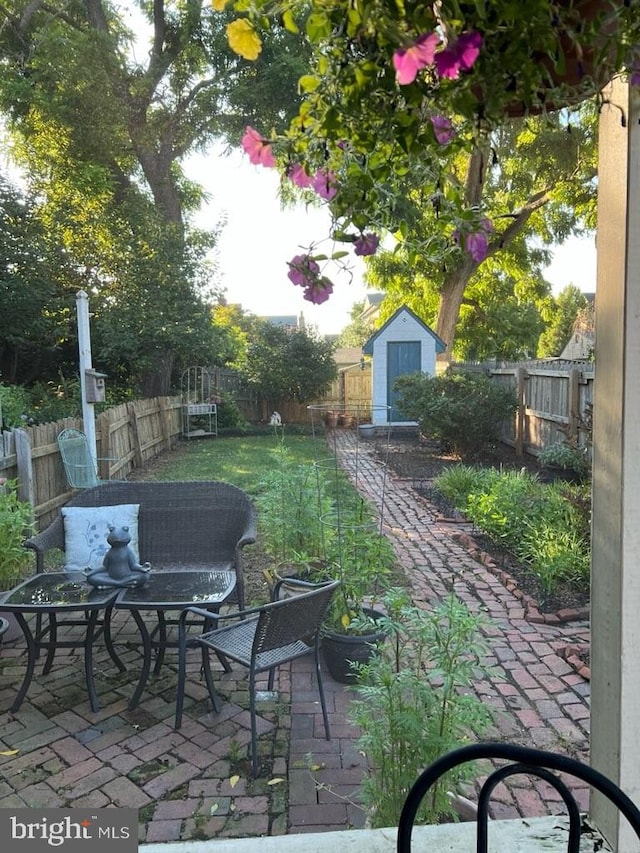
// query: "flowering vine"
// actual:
[[380, 123]]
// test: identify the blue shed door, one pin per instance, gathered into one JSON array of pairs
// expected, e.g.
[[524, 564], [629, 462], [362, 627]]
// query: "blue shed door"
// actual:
[[403, 357]]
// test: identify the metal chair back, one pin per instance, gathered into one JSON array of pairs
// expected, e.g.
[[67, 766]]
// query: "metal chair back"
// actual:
[[290, 620], [79, 465], [533, 762]]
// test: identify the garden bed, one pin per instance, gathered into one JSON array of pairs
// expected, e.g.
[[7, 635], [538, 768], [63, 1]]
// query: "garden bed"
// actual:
[[421, 462]]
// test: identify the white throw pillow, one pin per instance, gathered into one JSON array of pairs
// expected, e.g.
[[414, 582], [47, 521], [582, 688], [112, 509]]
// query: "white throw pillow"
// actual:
[[86, 529]]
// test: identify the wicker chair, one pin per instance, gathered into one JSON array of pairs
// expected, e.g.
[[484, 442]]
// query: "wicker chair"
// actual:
[[534, 762], [263, 639], [180, 524]]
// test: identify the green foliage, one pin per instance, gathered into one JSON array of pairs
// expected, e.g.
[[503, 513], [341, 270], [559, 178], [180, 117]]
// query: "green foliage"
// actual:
[[461, 410], [414, 703], [457, 482], [53, 401], [567, 306], [14, 405], [557, 556], [361, 558], [547, 526], [112, 198], [34, 270], [358, 331], [287, 365], [290, 506], [574, 460], [16, 522], [229, 415]]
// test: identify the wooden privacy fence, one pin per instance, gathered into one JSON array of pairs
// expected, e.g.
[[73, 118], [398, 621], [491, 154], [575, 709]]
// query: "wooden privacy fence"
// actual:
[[127, 436], [555, 402]]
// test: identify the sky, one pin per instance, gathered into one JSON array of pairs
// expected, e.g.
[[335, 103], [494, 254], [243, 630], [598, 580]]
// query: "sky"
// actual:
[[260, 237]]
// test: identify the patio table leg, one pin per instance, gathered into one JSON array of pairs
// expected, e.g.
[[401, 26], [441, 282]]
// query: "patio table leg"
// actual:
[[108, 640], [88, 660], [146, 660], [52, 632], [31, 662], [162, 641]]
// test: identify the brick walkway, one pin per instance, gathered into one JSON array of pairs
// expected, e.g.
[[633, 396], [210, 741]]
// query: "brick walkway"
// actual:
[[193, 783]]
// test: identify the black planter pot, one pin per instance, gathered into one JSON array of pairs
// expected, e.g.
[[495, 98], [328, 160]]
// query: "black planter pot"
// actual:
[[340, 649]]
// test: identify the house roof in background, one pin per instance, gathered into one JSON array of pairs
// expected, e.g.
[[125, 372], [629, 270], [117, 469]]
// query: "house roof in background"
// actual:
[[440, 344], [287, 321], [345, 356], [372, 302]]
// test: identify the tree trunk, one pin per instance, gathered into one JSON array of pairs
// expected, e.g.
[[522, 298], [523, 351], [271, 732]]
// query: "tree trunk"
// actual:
[[451, 298]]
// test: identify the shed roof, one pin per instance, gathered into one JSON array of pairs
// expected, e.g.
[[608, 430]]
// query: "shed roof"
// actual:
[[440, 344]]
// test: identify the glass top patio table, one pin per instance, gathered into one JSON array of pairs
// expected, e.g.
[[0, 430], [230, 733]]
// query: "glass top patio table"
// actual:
[[56, 593], [171, 590]]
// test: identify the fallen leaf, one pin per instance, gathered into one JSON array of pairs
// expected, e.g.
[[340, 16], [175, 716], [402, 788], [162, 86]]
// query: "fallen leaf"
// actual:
[[10, 752], [276, 781], [233, 781], [317, 766], [214, 808]]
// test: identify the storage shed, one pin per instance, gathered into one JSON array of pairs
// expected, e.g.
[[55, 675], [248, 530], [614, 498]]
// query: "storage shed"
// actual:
[[403, 345]]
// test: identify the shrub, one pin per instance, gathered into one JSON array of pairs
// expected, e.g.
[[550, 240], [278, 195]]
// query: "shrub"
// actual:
[[229, 415], [14, 404], [461, 410], [16, 522], [574, 460]]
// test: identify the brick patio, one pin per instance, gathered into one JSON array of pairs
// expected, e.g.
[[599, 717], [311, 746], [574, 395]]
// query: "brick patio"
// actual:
[[193, 783]]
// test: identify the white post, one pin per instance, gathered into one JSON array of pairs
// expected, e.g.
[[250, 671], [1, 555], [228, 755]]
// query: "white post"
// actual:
[[84, 350], [615, 592]]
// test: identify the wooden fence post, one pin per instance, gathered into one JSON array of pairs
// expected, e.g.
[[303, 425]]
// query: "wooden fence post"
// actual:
[[135, 432], [163, 408], [26, 486], [574, 407], [520, 414]]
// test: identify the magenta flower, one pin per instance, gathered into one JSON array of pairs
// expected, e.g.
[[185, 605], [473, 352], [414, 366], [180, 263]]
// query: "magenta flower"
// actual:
[[298, 176], [367, 244], [318, 291], [303, 270], [443, 129], [408, 61], [477, 242], [258, 149], [459, 56], [324, 183]]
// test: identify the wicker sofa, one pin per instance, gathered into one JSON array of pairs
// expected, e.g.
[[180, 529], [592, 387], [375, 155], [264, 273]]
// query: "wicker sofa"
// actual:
[[199, 523]]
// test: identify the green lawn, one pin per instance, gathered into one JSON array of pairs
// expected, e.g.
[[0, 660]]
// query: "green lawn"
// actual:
[[241, 460]]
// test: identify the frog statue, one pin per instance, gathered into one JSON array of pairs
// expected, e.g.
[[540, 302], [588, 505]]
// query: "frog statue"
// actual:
[[120, 566]]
